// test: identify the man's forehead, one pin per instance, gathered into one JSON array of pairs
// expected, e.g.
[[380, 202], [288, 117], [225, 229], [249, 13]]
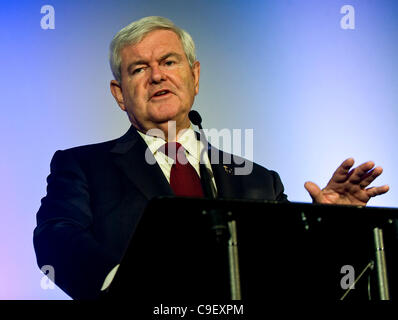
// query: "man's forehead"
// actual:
[[158, 42]]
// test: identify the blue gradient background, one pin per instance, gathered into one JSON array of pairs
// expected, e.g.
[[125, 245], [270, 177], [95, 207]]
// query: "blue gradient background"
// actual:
[[314, 94]]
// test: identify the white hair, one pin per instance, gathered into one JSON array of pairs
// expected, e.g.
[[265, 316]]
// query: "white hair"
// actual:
[[135, 31]]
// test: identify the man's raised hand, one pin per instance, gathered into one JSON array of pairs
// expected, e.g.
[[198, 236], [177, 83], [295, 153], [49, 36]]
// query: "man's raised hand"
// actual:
[[348, 186]]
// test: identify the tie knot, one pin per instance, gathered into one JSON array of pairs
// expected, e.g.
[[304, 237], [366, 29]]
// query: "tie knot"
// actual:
[[175, 151], [184, 180]]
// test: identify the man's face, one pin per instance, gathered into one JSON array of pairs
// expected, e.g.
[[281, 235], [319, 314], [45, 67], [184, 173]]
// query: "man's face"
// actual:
[[158, 85]]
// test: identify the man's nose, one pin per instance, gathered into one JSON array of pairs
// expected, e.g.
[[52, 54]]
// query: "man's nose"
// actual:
[[157, 75]]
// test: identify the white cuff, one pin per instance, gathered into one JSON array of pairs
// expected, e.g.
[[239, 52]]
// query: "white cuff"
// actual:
[[109, 278]]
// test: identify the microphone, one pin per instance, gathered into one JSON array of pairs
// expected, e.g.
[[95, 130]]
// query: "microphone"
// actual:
[[218, 219], [195, 118], [207, 184]]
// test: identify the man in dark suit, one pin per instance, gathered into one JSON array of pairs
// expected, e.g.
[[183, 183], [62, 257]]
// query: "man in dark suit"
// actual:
[[97, 193]]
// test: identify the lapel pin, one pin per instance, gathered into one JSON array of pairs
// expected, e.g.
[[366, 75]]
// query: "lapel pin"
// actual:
[[227, 169]]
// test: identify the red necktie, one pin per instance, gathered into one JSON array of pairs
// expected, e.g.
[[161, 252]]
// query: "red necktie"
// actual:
[[184, 180]]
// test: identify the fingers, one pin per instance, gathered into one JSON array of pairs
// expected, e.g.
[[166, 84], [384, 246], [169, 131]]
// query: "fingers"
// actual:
[[342, 172], [361, 172], [312, 189], [349, 185], [370, 176], [376, 191], [362, 175]]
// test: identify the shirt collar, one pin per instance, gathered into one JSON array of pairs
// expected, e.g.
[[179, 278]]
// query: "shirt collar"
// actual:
[[192, 145], [154, 143], [187, 139]]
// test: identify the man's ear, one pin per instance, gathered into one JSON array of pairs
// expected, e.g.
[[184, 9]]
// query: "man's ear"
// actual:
[[117, 93], [196, 75]]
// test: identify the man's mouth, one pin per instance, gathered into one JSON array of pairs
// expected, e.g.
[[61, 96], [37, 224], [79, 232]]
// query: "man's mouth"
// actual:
[[161, 93]]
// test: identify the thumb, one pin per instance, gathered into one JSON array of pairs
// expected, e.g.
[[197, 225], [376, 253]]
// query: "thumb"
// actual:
[[312, 189]]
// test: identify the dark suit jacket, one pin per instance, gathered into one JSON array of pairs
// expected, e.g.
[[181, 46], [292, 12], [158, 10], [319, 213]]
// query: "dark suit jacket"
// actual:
[[95, 197]]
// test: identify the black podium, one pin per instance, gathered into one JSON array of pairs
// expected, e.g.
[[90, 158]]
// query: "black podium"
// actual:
[[293, 251]]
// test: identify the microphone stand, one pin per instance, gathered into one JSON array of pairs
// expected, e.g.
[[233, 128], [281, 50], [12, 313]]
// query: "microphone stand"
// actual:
[[223, 225], [381, 266]]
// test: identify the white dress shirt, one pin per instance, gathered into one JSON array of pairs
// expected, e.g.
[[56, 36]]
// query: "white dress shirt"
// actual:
[[192, 146]]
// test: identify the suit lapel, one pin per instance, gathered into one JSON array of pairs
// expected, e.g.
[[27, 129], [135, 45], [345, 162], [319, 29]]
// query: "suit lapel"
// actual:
[[227, 183], [130, 156]]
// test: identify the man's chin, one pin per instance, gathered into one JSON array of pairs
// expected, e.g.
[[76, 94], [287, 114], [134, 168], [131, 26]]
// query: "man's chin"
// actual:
[[168, 119], [170, 128]]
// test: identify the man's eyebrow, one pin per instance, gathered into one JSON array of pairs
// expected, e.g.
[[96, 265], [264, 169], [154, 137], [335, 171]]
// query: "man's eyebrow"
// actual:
[[164, 57], [170, 54], [135, 63]]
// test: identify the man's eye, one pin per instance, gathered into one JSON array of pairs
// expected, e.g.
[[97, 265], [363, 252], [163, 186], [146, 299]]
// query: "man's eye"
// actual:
[[138, 70], [169, 63]]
